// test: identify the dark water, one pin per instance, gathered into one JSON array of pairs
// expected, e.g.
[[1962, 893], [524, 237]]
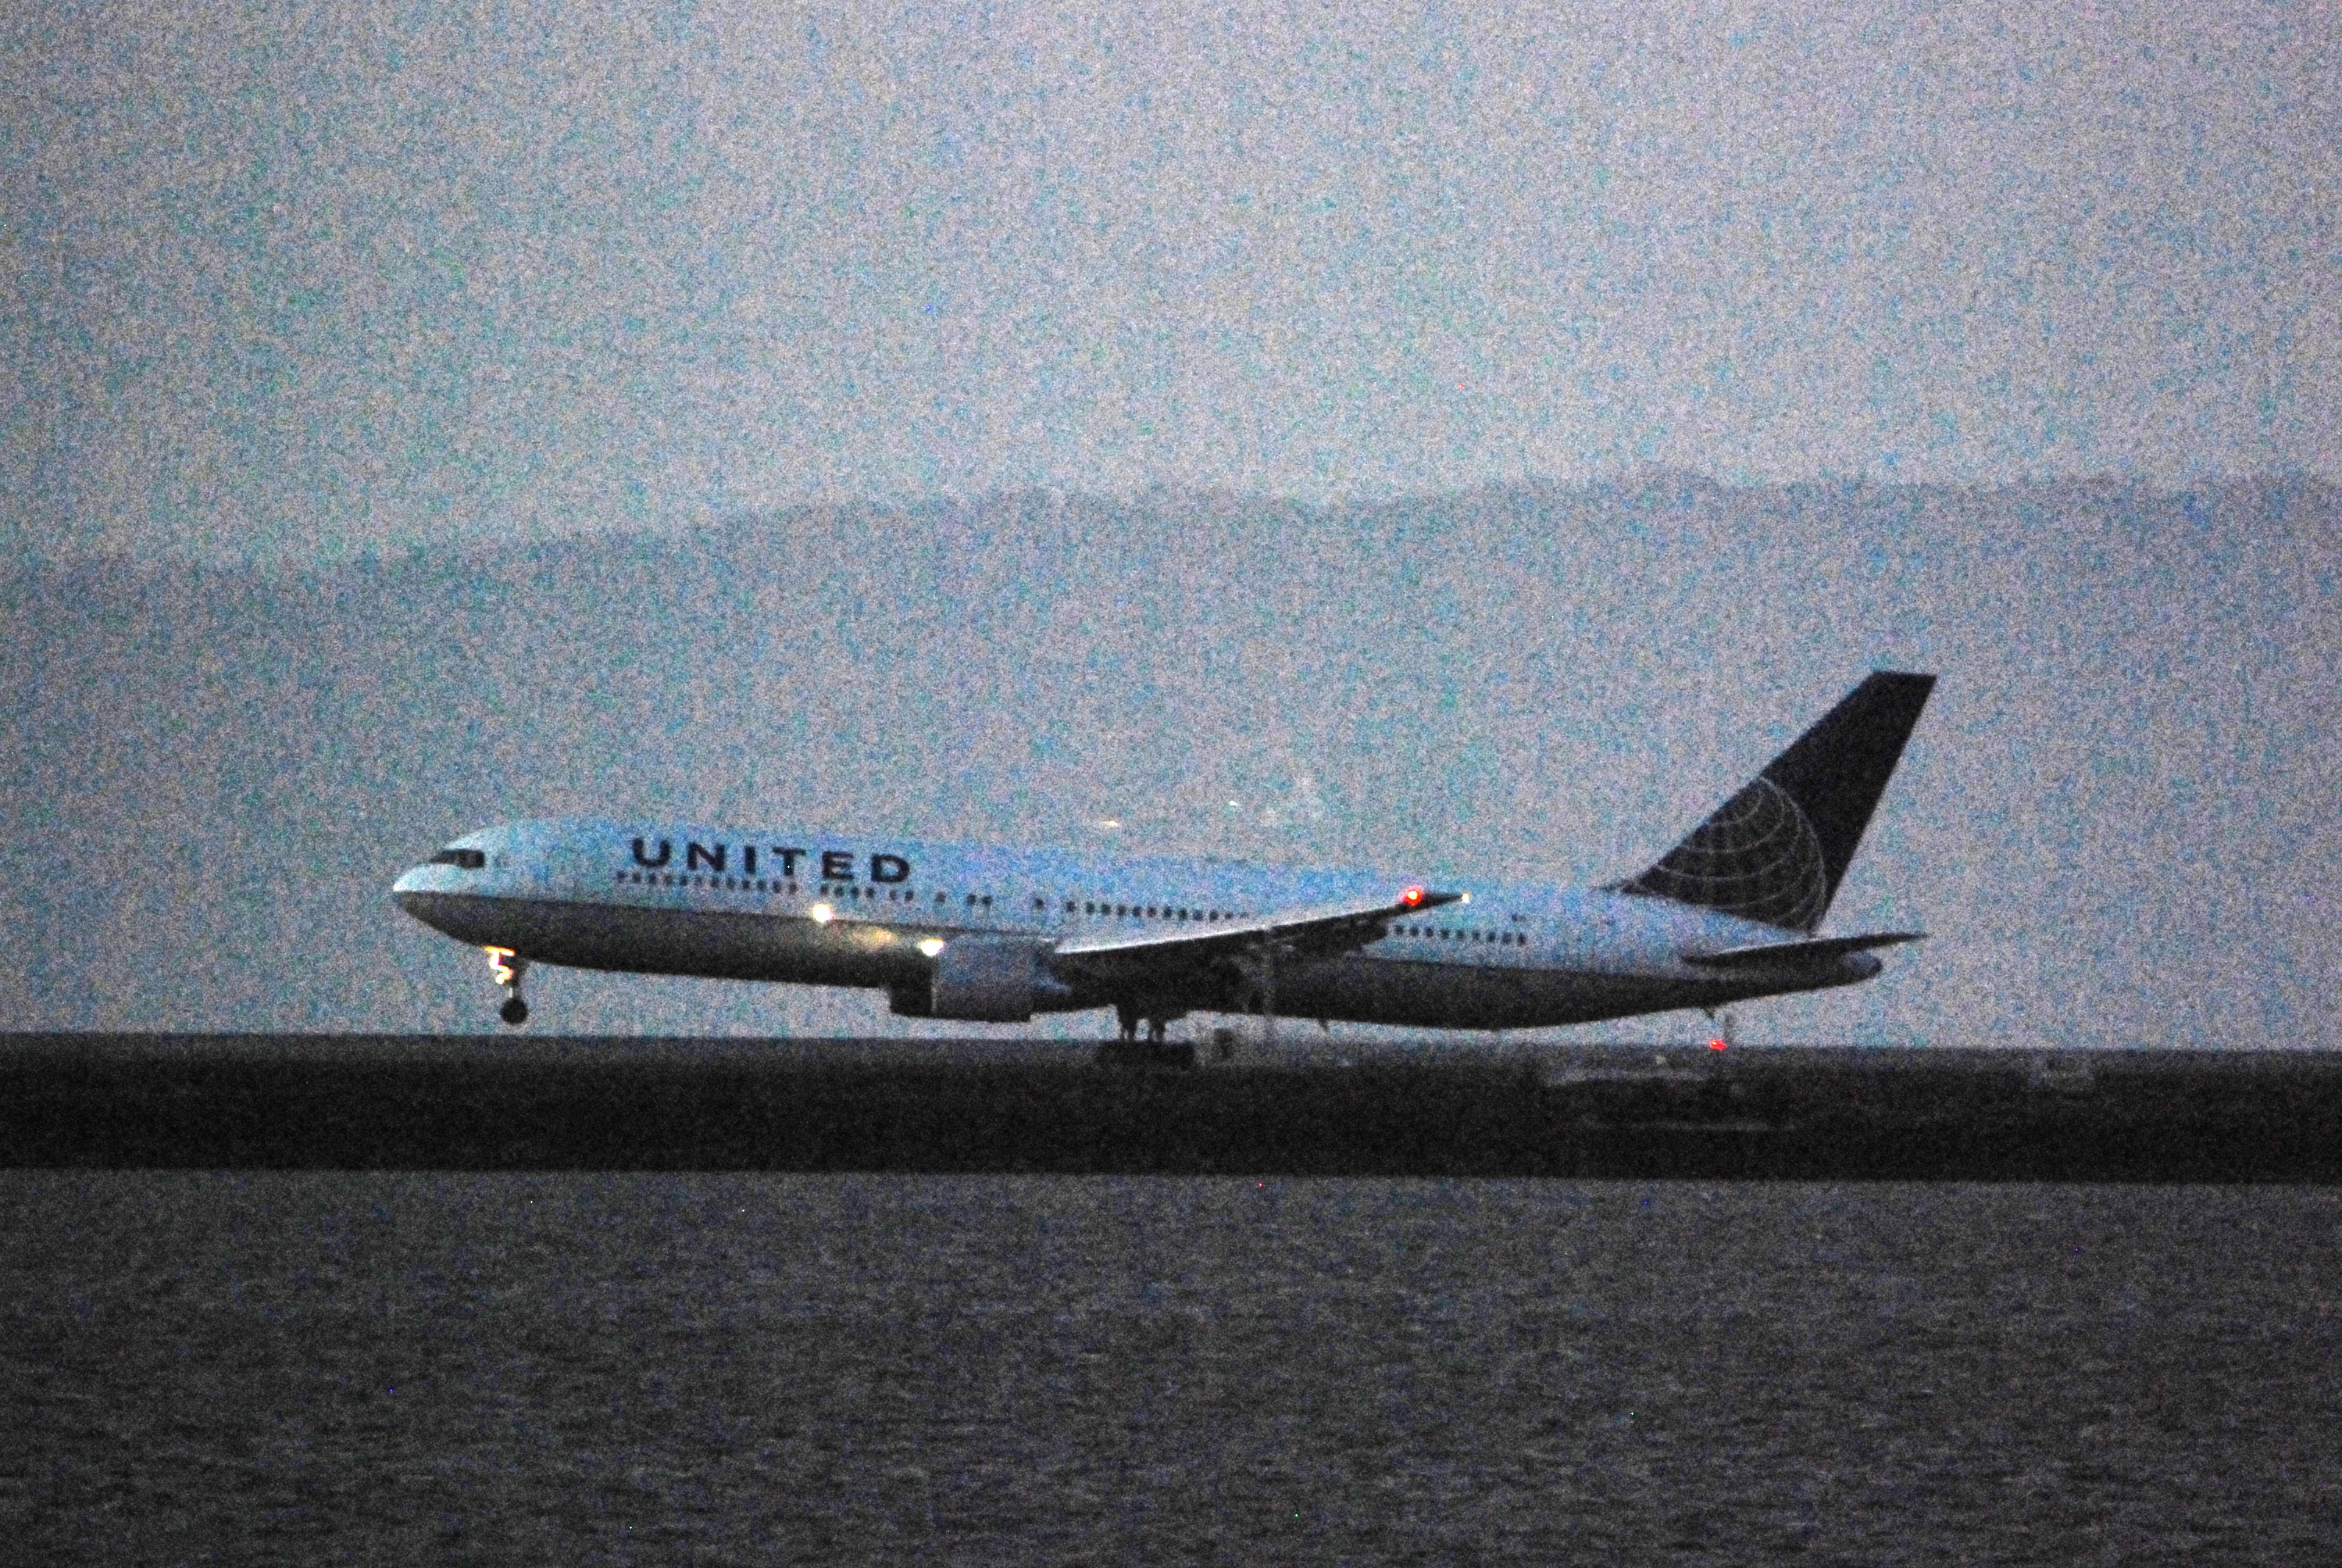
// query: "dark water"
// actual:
[[329, 1367]]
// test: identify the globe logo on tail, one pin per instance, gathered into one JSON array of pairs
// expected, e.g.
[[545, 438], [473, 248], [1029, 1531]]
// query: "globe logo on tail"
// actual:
[[1757, 858]]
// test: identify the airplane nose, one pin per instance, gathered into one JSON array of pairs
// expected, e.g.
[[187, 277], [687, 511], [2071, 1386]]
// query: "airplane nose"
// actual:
[[411, 883]]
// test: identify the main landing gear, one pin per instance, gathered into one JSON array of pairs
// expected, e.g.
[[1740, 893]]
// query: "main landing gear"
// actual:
[[508, 967], [1128, 1052]]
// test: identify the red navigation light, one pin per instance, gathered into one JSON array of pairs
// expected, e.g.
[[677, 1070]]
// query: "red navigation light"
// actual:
[[1717, 1043], [1412, 897]]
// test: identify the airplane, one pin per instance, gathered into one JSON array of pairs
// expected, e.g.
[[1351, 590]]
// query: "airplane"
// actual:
[[996, 934]]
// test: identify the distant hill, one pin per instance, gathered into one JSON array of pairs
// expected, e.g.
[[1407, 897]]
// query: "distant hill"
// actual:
[[2117, 817]]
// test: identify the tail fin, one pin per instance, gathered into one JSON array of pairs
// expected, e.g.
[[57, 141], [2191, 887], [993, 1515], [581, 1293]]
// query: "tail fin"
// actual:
[[1777, 850]]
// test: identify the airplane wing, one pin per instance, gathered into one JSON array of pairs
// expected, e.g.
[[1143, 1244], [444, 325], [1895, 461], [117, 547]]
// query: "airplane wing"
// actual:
[[1316, 930], [1808, 950]]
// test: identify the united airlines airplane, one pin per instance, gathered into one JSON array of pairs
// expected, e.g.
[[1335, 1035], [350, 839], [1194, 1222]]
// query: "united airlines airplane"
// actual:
[[991, 934]]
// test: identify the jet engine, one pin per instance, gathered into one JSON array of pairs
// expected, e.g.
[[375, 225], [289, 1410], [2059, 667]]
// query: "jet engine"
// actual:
[[982, 982]]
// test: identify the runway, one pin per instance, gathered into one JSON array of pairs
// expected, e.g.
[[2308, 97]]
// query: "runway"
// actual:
[[1805, 1113]]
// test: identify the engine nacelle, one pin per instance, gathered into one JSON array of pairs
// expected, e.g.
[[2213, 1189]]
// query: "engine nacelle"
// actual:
[[980, 981]]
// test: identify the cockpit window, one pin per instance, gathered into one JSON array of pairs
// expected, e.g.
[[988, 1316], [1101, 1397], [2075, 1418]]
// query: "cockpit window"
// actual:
[[469, 860]]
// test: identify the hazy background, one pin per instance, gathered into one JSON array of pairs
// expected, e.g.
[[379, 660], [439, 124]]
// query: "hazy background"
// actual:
[[985, 421], [2116, 816], [312, 279]]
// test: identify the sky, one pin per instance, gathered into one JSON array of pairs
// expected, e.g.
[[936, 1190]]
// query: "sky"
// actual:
[[309, 281], [1467, 437]]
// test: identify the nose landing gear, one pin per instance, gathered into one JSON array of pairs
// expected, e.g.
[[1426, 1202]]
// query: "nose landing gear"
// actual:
[[508, 967]]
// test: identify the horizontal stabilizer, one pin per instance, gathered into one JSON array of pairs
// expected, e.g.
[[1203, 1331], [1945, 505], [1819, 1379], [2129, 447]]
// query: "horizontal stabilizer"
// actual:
[[1799, 955]]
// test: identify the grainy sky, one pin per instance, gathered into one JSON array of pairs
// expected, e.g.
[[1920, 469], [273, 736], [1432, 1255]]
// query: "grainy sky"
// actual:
[[293, 279], [1210, 398]]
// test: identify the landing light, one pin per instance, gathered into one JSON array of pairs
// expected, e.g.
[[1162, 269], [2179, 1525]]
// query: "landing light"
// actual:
[[822, 914], [931, 946]]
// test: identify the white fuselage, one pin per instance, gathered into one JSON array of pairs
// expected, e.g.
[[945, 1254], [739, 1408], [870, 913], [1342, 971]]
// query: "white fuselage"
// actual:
[[846, 910]]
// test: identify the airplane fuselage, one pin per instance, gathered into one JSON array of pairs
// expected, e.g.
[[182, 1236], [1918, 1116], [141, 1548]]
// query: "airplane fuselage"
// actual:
[[842, 909]]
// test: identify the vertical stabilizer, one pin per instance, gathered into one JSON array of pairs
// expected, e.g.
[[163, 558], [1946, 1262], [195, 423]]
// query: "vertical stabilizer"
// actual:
[[1777, 850]]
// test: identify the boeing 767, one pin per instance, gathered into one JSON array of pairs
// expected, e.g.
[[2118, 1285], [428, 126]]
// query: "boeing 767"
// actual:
[[996, 934]]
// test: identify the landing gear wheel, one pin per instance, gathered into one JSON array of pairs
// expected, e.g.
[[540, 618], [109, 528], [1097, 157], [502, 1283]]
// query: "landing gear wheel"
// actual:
[[1155, 1051], [508, 967]]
